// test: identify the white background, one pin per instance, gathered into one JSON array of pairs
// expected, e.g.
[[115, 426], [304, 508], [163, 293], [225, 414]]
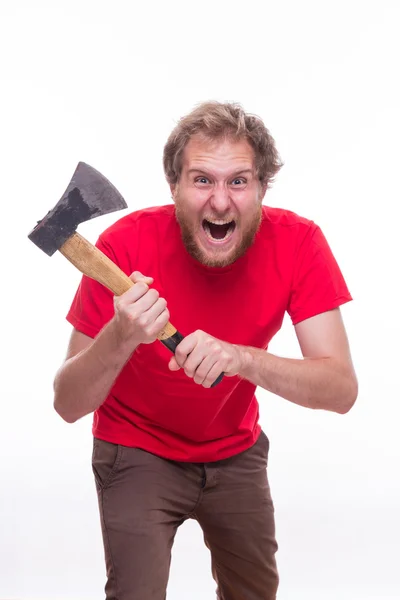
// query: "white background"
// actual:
[[105, 82]]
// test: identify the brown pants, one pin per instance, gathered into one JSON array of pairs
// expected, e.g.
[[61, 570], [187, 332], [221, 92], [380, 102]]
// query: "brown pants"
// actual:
[[143, 499]]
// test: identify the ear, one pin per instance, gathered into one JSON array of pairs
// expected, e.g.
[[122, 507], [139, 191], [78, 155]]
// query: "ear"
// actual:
[[172, 187], [263, 189]]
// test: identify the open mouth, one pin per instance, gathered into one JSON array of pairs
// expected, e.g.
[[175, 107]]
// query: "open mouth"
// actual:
[[218, 230]]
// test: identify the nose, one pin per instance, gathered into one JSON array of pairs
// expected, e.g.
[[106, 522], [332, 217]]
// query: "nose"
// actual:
[[220, 200]]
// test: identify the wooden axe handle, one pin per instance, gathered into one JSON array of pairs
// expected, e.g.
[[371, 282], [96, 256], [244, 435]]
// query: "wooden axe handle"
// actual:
[[95, 264]]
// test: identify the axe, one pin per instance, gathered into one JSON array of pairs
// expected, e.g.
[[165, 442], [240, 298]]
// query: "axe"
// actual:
[[89, 195]]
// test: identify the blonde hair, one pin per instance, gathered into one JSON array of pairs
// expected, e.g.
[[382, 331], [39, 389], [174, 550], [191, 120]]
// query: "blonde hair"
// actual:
[[216, 120]]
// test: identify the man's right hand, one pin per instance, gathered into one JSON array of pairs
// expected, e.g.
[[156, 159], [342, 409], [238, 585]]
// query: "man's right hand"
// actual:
[[84, 380], [140, 313]]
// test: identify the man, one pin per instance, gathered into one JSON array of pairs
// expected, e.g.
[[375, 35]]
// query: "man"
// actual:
[[167, 445]]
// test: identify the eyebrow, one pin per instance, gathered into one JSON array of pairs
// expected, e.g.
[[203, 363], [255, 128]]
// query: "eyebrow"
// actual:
[[237, 172]]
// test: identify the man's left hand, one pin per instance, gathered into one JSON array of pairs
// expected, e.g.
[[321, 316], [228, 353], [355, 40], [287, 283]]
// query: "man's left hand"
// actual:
[[204, 357]]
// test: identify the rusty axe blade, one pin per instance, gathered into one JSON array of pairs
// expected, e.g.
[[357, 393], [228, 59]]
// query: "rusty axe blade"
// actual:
[[88, 195]]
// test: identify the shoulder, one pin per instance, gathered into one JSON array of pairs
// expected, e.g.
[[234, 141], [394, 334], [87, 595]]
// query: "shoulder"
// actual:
[[281, 220], [286, 225], [143, 219]]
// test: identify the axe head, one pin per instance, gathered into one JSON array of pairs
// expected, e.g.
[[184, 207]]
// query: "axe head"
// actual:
[[88, 195]]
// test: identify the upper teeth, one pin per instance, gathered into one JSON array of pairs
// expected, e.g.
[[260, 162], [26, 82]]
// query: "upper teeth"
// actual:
[[219, 221]]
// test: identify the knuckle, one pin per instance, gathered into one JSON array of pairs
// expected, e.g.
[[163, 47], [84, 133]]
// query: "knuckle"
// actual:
[[139, 290], [179, 355], [120, 301], [200, 375], [131, 315], [152, 331], [142, 320]]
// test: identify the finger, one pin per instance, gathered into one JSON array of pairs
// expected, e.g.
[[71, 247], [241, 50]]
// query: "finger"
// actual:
[[146, 316], [202, 372], [154, 311], [186, 347], [152, 326], [173, 365], [137, 276], [141, 295], [158, 324], [212, 375], [194, 360]]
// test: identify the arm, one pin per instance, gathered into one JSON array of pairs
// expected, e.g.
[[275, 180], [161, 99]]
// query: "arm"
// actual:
[[84, 380], [323, 379]]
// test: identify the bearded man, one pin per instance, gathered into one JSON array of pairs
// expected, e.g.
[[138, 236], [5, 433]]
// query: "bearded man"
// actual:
[[168, 445]]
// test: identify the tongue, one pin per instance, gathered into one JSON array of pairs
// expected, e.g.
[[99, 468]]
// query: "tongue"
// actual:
[[218, 231]]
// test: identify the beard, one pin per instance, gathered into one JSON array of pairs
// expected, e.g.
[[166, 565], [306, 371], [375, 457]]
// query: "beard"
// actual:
[[219, 258]]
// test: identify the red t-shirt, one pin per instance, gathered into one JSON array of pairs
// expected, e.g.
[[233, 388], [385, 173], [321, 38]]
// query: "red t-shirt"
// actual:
[[290, 267]]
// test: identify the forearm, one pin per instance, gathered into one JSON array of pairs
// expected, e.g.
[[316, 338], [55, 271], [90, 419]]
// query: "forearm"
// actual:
[[83, 382], [319, 383]]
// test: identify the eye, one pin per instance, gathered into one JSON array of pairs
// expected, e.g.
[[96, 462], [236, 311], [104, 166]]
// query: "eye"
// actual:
[[238, 181], [203, 180]]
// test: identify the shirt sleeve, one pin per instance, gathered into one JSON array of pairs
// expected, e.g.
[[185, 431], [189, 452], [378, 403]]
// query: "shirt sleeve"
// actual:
[[318, 284], [93, 305]]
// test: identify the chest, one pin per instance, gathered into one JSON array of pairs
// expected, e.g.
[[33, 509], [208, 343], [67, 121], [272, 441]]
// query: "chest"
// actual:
[[244, 307]]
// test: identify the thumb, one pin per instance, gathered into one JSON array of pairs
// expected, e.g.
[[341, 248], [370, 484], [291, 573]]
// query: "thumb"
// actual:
[[173, 365], [138, 276]]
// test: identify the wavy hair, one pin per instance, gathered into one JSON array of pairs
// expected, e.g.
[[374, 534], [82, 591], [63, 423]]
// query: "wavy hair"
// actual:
[[216, 120]]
